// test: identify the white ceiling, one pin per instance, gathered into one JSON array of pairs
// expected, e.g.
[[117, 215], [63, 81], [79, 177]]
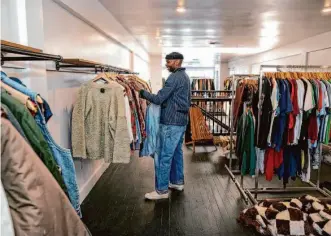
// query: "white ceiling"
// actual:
[[262, 24]]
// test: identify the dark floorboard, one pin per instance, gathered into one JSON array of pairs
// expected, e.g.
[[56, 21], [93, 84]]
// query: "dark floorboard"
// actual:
[[209, 204]]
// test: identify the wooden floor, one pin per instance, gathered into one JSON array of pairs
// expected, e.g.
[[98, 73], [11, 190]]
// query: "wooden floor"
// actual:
[[209, 204]]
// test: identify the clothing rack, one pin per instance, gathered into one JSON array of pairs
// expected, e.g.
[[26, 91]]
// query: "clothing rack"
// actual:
[[27, 54], [229, 168], [85, 64], [256, 189], [33, 54]]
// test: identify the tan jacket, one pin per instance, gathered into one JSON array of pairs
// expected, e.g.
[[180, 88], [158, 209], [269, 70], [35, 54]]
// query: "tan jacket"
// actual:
[[38, 205], [99, 124]]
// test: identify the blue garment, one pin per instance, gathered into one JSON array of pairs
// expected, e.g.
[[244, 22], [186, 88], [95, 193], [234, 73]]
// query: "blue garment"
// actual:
[[46, 108], [168, 159], [174, 98], [152, 122], [285, 106], [61, 155]]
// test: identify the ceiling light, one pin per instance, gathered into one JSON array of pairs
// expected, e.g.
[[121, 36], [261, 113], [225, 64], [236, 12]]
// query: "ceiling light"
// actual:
[[210, 31], [181, 6], [187, 30], [181, 9], [269, 29], [326, 10], [268, 42], [168, 30]]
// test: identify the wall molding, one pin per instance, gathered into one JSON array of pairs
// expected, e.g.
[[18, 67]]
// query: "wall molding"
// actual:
[[87, 187]]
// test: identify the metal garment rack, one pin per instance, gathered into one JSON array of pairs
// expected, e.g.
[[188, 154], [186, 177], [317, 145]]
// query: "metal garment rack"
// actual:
[[31, 54], [229, 168], [312, 187], [95, 67], [26, 55]]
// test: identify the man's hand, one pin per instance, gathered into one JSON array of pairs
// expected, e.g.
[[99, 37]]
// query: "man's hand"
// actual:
[[137, 87]]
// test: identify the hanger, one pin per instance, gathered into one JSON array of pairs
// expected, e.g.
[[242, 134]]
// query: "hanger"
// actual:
[[101, 77], [21, 97]]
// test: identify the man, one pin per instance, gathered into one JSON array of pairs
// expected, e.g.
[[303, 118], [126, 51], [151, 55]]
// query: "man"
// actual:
[[174, 99]]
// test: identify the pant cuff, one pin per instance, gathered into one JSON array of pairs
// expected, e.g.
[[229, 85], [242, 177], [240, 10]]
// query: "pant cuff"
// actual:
[[161, 191]]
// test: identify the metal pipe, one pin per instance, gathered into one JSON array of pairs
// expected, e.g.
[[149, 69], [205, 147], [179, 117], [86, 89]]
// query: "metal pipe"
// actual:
[[287, 190], [258, 128], [295, 66], [240, 189], [14, 50], [327, 191], [231, 122], [250, 196], [319, 167], [27, 59]]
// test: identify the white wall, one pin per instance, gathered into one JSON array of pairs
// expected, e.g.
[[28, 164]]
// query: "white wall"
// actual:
[[57, 29], [142, 67], [156, 72], [313, 51]]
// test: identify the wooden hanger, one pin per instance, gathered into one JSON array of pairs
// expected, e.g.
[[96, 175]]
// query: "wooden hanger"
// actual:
[[21, 97], [101, 77]]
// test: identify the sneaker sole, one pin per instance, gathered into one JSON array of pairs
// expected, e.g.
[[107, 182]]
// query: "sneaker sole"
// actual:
[[154, 199]]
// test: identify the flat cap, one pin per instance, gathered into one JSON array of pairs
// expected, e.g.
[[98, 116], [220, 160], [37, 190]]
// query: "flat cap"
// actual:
[[174, 56]]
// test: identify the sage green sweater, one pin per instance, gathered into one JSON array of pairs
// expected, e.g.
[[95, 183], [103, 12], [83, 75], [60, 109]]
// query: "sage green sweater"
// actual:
[[99, 125]]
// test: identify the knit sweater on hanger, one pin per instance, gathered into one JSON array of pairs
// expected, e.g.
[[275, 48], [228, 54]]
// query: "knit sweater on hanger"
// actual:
[[99, 125]]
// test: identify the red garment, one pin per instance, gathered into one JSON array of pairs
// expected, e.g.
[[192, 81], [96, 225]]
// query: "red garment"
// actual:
[[237, 103], [320, 97], [312, 128], [294, 113], [272, 161]]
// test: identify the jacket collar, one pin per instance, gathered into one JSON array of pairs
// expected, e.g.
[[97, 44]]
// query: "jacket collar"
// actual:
[[179, 69]]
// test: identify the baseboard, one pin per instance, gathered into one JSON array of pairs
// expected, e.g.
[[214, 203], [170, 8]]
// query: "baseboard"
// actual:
[[87, 187]]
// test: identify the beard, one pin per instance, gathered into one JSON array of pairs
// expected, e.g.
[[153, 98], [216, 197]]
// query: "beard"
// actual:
[[171, 69]]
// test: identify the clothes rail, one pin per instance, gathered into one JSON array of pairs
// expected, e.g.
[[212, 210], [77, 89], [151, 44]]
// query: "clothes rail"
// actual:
[[312, 186], [33, 54], [294, 67], [229, 169], [96, 67], [27, 55]]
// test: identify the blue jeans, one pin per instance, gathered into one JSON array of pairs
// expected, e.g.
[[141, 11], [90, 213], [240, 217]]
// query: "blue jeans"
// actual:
[[168, 158], [61, 155]]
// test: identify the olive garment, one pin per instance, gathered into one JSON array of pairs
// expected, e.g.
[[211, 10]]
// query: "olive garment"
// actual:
[[34, 135]]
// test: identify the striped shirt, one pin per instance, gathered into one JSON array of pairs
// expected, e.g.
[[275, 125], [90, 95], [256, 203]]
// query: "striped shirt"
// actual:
[[174, 98]]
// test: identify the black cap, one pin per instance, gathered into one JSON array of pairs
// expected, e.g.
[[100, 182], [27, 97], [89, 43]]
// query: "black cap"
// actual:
[[174, 56]]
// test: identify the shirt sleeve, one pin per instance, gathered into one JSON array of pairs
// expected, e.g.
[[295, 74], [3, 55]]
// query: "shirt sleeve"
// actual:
[[163, 94], [78, 141]]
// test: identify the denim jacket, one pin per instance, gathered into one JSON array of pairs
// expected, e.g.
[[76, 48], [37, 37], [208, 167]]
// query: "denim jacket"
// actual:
[[174, 99], [152, 130]]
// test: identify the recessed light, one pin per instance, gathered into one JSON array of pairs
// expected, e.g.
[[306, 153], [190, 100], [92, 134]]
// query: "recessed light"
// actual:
[[187, 30], [210, 30], [326, 10], [181, 9]]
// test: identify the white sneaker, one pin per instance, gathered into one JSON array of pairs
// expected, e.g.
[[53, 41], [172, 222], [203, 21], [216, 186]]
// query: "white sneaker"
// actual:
[[155, 196], [176, 186]]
